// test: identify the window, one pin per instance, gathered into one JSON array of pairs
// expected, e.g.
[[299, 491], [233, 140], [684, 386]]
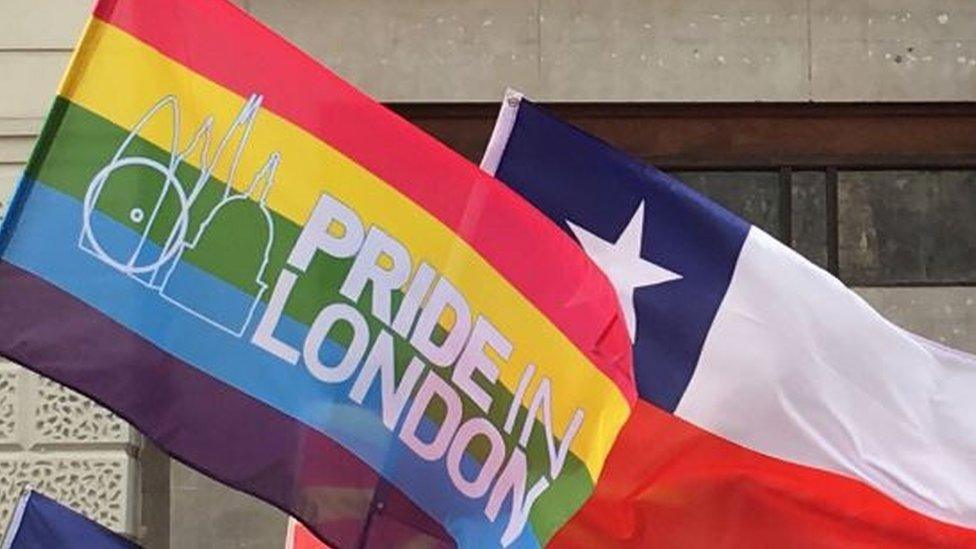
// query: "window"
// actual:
[[880, 194]]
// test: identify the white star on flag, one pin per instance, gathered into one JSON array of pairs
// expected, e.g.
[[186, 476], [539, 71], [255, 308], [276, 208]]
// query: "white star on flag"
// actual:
[[622, 263]]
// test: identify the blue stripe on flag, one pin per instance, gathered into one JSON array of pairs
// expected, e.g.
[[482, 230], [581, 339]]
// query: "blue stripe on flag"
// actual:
[[46, 245]]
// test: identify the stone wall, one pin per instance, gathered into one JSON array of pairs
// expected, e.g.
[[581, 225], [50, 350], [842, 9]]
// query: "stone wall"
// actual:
[[641, 50]]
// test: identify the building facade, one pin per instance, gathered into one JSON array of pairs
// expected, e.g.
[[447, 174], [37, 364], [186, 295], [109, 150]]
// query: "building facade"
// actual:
[[845, 128]]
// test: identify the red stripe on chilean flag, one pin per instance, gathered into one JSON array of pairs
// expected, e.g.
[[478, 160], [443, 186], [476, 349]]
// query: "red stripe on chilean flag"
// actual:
[[298, 88], [693, 489]]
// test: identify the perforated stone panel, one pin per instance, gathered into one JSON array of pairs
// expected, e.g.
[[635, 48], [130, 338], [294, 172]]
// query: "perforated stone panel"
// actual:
[[66, 446], [62, 415], [8, 404], [97, 486]]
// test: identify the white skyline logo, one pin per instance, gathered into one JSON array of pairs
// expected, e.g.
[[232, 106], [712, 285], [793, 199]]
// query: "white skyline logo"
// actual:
[[159, 268]]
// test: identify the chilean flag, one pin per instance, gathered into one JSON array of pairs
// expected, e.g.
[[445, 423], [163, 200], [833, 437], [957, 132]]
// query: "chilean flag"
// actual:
[[776, 406]]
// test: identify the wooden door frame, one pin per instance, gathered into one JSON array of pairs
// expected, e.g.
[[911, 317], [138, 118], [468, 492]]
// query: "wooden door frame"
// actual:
[[743, 135], [783, 137]]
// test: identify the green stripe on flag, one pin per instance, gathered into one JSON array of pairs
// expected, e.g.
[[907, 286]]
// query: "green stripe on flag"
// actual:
[[83, 143]]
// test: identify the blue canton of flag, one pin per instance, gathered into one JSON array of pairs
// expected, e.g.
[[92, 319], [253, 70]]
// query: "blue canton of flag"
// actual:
[[669, 252], [42, 523]]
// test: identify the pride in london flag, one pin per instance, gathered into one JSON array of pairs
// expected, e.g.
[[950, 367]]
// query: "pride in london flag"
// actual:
[[298, 293], [776, 408]]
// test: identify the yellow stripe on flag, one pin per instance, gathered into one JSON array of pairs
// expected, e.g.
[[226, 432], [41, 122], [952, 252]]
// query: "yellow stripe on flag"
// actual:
[[120, 78]]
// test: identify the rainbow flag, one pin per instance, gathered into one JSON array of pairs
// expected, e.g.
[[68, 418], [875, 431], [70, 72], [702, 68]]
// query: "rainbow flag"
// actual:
[[293, 290]]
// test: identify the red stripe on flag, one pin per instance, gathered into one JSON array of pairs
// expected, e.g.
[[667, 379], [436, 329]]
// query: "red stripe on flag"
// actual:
[[693, 489], [233, 50], [300, 537]]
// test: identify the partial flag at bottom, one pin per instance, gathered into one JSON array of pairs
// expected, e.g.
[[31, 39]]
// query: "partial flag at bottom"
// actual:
[[39, 522]]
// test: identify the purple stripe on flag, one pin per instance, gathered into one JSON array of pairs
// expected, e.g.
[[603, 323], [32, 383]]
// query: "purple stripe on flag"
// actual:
[[199, 420]]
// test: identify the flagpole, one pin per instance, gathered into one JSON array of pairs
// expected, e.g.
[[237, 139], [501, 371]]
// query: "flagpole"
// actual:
[[376, 505], [16, 518], [503, 129]]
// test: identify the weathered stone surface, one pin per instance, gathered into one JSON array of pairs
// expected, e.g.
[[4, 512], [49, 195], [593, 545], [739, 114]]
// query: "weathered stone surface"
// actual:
[[638, 50], [810, 216], [893, 50], [30, 81], [154, 509], [752, 195], [51, 24], [907, 227], [417, 50], [629, 50], [678, 50], [945, 315], [208, 515], [9, 403]]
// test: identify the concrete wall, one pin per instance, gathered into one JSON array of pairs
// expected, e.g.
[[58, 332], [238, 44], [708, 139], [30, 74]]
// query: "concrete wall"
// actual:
[[208, 515], [641, 50], [470, 50]]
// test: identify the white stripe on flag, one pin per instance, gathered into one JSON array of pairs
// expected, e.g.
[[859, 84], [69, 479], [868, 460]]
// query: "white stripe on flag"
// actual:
[[799, 367]]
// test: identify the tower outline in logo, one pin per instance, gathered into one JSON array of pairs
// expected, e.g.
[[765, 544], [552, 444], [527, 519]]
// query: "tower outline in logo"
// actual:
[[153, 264]]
